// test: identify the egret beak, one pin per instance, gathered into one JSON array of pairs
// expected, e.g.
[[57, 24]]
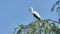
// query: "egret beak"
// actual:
[[30, 9]]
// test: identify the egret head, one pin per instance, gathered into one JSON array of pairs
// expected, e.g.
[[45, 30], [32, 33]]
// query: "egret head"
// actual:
[[30, 9]]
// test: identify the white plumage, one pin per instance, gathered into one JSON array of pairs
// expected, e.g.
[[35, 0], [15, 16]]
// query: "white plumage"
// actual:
[[35, 14]]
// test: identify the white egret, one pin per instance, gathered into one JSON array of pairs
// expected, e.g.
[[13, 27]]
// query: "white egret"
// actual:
[[35, 14]]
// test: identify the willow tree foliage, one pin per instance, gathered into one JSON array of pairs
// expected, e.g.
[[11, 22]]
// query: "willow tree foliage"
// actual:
[[57, 7], [46, 26], [38, 27]]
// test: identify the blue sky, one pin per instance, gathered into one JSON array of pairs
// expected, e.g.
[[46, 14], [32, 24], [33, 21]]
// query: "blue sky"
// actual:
[[15, 12]]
